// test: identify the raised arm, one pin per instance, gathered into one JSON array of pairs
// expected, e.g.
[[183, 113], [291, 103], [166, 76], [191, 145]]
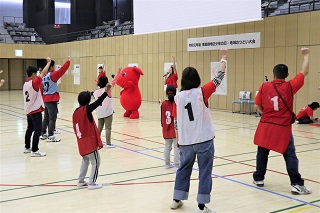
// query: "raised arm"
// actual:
[[222, 68], [45, 69], [174, 65], [305, 65]]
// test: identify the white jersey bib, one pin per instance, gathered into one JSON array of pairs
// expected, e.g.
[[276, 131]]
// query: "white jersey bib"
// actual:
[[107, 107], [32, 99], [193, 118]]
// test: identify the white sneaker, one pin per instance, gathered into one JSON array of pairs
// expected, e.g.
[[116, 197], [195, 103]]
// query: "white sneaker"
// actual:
[[168, 166], [258, 183], [27, 150], [175, 205], [43, 137], [56, 132], [38, 154], [53, 139], [205, 210], [104, 143], [110, 146], [300, 190], [94, 186], [81, 184], [176, 168]]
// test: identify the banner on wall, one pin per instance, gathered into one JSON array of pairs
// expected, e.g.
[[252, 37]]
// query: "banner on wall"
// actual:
[[76, 74], [235, 41], [222, 88]]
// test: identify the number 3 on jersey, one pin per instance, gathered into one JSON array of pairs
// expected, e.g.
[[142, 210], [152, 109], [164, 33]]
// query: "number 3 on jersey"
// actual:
[[78, 131], [168, 117]]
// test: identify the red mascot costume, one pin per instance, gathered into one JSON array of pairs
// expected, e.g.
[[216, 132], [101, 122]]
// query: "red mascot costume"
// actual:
[[130, 96]]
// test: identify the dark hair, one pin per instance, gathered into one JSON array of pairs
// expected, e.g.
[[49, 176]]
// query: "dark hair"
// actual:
[[84, 98], [100, 67], [190, 78], [171, 92], [314, 105], [103, 80], [280, 71], [31, 70], [51, 64]]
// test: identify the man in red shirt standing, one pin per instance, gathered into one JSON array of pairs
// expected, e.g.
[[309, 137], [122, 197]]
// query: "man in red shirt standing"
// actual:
[[33, 106], [274, 130], [51, 98]]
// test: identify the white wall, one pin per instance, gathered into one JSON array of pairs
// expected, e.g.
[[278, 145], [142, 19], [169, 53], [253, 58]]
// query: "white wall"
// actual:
[[11, 8]]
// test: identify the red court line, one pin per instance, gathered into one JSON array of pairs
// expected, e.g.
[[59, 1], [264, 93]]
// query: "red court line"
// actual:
[[246, 164], [3, 184]]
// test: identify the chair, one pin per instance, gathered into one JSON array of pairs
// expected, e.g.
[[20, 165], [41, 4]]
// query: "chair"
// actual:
[[251, 102], [244, 97]]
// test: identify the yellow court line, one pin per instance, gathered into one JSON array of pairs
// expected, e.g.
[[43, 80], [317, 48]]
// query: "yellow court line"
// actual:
[[302, 209]]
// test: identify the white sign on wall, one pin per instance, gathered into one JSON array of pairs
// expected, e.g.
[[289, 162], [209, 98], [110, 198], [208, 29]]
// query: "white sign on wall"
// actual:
[[76, 74], [236, 41], [222, 88]]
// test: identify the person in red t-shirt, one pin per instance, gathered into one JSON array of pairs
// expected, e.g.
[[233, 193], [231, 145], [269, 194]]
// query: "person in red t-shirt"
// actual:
[[33, 105], [305, 116], [274, 129], [168, 132], [171, 77], [102, 72], [88, 137], [51, 98]]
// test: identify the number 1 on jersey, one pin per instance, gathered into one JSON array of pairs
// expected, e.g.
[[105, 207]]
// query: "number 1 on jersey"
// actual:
[[78, 130], [275, 103], [190, 112]]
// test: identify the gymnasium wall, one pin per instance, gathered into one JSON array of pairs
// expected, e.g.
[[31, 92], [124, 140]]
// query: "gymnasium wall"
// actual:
[[281, 39]]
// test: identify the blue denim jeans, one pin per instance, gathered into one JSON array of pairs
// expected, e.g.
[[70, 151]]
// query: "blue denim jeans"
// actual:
[[204, 153], [290, 157]]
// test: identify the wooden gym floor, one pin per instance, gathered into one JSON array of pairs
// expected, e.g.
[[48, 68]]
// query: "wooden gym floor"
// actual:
[[136, 169]]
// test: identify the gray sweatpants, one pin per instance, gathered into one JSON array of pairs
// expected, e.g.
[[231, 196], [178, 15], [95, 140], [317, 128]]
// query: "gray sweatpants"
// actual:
[[107, 122], [50, 117], [94, 159], [167, 150]]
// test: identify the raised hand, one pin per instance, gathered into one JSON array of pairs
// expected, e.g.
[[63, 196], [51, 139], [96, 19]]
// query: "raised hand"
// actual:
[[305, 51], [223, 53], [68, 57], [48, 59]]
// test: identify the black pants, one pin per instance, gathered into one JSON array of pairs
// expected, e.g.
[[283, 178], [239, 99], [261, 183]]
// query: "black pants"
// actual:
[[290, 157], [34, 125], [50, 117], [305, 120]]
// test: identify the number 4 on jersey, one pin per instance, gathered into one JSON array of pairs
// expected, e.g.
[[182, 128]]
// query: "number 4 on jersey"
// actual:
[[78, 131]]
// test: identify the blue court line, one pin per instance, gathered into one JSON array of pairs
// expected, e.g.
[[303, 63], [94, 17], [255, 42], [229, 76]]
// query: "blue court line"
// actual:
[[151, 149], [219, 176]]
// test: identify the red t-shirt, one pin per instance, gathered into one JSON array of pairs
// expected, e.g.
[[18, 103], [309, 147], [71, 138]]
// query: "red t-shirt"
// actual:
[[172, 80], [305, 112], [167, 120], [103, 73]]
